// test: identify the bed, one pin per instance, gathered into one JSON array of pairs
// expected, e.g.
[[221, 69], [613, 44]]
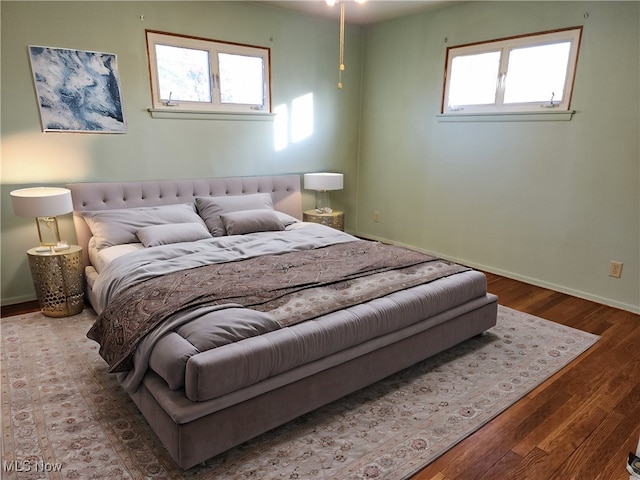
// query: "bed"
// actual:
[[224, 316]]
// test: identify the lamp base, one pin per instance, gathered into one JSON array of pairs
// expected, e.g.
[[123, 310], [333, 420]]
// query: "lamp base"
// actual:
[[323, 201], [48, 231]]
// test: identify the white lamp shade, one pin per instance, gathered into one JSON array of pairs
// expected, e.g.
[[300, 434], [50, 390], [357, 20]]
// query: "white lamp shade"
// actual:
[[323, 181], [41, 202]]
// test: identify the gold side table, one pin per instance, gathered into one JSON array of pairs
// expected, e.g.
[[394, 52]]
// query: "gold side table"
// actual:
[[57, 278], [334, 219]]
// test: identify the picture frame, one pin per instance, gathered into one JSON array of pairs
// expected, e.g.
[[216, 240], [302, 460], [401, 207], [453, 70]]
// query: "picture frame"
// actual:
[[77, 90]]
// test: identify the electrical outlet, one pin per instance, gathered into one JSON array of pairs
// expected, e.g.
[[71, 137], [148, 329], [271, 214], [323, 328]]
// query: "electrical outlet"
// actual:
[[615, 269], [376, 216]]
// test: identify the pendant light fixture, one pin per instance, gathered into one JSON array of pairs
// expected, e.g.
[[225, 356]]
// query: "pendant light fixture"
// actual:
[[331, 3]]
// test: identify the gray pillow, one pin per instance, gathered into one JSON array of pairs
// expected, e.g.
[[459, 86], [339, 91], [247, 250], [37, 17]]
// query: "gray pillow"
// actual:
[[285, 219], [155, 235], [250, 221], [210, 208], [119, 226]]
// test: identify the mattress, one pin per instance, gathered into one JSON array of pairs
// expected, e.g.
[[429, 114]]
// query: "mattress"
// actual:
[[219, 371], [190, 350]]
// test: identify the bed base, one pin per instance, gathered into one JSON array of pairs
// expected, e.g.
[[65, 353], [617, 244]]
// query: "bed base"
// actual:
[[192, 443]]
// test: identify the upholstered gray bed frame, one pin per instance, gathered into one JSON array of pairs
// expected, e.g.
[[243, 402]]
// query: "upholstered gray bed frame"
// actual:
[[193, 432], [284, 190]]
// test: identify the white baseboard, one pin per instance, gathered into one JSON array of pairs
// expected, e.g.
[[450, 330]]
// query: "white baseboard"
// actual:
[[523, 278]]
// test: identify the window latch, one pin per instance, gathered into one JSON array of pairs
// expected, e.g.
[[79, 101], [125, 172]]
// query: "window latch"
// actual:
[[551, 104], [169, 103]]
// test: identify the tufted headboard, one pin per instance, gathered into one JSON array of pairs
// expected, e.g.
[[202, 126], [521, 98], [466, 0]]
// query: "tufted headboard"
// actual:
[[284, 190]]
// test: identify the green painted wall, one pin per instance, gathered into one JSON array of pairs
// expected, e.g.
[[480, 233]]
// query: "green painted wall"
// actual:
[[547, 202], [550, 203], [304, 59]]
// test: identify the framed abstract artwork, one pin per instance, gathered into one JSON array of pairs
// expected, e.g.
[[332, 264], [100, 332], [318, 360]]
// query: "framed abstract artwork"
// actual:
[[77, 91]]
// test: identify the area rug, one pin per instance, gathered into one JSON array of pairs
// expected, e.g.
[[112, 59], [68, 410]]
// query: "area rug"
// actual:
[[64, 416]]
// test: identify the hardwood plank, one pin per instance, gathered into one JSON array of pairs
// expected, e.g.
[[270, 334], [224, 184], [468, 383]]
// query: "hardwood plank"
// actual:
[[548, 428], [581, 463], [20, 308], [615, 468], [557, 448], [625, 435], [603, 440], [439, 476], [500, 470], [525, 470]]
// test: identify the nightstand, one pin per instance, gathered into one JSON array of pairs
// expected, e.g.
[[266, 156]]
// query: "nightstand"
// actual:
[[57, 278], [333, 220]]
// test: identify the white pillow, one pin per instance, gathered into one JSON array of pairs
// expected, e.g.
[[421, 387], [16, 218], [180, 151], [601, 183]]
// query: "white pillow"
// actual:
[[210, 208], [155, 235], [119, 226], [101, 258]]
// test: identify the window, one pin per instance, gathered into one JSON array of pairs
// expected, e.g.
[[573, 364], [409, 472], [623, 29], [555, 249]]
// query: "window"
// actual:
[[196, 74], [519, 74]]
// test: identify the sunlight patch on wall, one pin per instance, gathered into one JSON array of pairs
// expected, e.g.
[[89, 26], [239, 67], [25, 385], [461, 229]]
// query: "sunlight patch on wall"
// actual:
[[44, 158], [296, 126], [302, 118]]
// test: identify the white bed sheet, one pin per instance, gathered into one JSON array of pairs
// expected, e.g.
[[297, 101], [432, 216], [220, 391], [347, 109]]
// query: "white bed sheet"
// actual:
[[101, 258]]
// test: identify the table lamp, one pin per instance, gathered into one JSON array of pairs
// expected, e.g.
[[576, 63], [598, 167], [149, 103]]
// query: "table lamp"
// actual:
[[323, 183], [43, 203]]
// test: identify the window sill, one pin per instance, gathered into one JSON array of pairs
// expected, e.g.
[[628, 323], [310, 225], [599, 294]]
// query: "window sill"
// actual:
[[193, 115], [546, 116]]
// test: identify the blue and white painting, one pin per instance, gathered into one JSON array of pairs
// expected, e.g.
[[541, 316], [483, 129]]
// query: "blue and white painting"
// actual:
[[78, 91]]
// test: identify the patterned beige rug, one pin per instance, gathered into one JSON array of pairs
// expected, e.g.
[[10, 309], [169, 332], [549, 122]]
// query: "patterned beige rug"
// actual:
[[64, 416]]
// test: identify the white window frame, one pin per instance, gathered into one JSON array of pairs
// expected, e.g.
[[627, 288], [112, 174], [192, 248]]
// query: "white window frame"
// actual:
[[213, 47], [505, 45]]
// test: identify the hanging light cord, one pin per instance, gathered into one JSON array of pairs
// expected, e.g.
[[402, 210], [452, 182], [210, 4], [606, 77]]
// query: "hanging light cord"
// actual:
[[341, 45]]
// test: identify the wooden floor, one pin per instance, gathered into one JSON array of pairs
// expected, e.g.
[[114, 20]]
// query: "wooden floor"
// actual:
[[20, 308], [581, 423]]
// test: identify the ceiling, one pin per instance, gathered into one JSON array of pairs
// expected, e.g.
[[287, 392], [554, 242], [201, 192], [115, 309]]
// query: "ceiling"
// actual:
[[372, 11]]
